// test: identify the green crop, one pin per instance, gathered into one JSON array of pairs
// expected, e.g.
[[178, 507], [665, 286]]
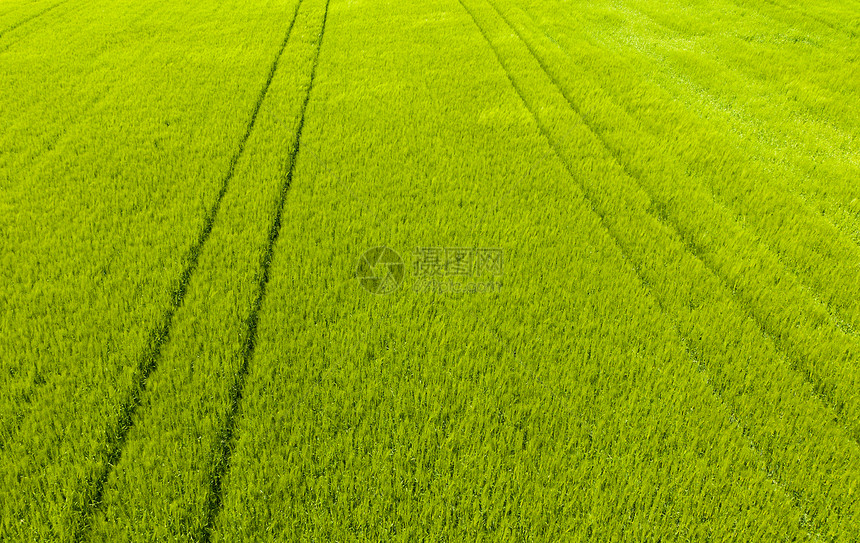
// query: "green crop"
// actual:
[[451, 270]]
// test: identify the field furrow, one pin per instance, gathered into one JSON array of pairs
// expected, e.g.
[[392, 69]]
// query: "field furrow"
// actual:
[[54, 99], [815, 343], [792, 444], [192, 400], [785, 211], [27, 12], [450, 270], [143, 158], [118, 431], [393, 436], [788, 124], [718, 316], [794, 139], [65, 159], [228, 428], [838, 16]]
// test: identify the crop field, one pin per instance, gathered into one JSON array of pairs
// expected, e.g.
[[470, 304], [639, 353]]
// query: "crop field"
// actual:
[[448, 270]]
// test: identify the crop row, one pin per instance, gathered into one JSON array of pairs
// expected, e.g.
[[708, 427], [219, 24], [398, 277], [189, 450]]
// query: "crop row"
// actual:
[[94, 264], [17, 14], [808, 254], [788, 128], [566, 406], [168, 482], [795, 114], [685, 196], [185, 190], [782, 415]]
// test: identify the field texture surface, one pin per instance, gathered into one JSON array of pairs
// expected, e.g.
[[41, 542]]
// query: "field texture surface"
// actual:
[[449, 270]]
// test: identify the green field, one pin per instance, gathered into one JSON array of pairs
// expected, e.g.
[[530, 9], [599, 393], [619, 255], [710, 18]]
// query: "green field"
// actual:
[[449, 270]]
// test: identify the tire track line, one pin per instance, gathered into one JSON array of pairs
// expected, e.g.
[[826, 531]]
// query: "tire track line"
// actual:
[[733, 419], [795, 360], [46, 153], [228, 432], [801, 14], [117, 433], [32, 17], [723, 64], [837, 317], [746, 118]]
